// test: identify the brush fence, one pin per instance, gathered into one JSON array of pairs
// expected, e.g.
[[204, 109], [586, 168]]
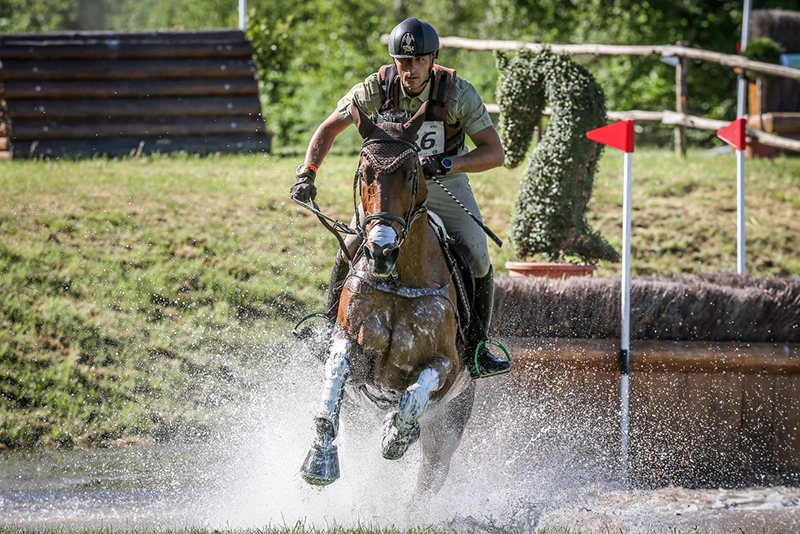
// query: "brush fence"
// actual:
[[715, 375], [87, 93]]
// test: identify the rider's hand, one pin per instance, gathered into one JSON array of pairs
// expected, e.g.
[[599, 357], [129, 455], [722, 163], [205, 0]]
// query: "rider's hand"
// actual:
[[432, 166], [304, 188]]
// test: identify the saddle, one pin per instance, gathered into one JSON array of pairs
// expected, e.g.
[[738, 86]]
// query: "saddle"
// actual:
[[459, 263]]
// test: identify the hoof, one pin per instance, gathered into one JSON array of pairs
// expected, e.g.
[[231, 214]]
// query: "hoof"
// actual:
[[321, 466], [395, 441]]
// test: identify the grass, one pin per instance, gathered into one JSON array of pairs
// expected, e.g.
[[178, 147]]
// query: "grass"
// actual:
[[138, 296]]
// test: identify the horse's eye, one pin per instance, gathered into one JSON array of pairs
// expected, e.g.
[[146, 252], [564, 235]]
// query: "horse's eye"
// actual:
[[367, 176]]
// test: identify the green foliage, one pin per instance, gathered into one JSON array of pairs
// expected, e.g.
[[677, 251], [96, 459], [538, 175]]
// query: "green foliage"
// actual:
[[172, 15], [311, 52], [550, 213], [765, 50], [309, 55], [41, 16]]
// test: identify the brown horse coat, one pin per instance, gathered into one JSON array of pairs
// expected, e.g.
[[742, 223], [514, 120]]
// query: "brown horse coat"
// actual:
[[395, 339]]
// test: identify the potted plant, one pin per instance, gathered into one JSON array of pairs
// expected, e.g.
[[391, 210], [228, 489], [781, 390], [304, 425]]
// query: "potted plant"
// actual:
[[549, 217]]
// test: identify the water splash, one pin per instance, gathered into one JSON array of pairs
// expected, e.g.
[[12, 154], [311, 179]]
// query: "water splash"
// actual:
[[534, 456]]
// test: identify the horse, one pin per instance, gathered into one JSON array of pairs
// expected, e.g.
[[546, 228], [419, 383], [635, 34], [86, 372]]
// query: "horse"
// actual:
[[395, 342]]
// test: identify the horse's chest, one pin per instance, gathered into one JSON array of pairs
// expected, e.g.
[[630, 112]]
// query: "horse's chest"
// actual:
[[402, 335]]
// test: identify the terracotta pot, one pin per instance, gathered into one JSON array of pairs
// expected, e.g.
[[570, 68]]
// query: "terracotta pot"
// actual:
[[549, 270]]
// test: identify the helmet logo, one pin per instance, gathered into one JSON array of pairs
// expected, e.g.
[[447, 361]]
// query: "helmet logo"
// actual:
[[408, 44]]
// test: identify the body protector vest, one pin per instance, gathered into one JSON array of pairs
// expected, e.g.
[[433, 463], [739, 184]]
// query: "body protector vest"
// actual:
[[435, 137]]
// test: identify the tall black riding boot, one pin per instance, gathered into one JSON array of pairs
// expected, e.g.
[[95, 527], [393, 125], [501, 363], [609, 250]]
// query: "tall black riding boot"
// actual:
[[487, 363], [338, 275]]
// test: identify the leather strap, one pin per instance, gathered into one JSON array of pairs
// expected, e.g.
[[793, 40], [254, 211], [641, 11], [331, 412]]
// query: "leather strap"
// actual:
[[442, 81]]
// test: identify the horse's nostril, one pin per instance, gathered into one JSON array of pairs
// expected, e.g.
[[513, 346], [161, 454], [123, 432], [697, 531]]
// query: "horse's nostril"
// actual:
[[391, 252]]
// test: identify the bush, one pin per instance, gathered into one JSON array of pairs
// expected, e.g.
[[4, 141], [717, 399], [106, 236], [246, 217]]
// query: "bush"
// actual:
[[550, 213]]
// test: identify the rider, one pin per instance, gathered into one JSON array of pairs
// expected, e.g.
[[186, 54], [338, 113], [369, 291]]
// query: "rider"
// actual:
[[454, 109]]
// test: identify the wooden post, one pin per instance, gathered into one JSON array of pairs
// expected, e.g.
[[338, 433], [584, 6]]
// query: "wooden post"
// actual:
[[681, 94], [5, 127]]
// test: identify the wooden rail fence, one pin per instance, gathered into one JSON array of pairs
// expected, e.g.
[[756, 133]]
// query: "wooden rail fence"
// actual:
[[678, 118], [690, 121], [87, 93]]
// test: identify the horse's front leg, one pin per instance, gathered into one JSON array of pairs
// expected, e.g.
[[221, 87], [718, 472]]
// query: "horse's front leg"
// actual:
[[401, 427], [321, 466]]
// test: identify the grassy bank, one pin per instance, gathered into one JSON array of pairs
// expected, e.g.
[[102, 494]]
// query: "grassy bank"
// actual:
[[137, 297]]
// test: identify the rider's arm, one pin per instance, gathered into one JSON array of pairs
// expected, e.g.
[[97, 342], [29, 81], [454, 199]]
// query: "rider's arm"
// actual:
[[366, 95], [321, 141], [466, 107], [488, 153]]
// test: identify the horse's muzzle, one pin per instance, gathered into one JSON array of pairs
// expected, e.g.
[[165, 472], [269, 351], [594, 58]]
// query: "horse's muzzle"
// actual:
[[382, 258]]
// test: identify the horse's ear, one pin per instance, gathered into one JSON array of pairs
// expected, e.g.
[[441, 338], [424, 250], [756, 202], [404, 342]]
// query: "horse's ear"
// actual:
[[362, 121], [411, 128]]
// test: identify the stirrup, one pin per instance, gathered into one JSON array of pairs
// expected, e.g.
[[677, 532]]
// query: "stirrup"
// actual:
[[306, 331], [476, 372], [315, 339]]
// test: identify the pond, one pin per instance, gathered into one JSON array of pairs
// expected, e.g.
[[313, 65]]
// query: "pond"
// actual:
[[520, 467]]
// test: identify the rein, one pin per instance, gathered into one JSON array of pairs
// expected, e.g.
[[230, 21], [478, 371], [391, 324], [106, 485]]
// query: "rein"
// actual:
[[334, 226], [337, 228]]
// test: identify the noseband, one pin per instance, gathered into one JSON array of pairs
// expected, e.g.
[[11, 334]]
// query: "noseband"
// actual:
[[383, 217]]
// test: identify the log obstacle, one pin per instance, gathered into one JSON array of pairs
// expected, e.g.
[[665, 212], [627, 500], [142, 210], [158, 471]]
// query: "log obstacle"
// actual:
[[704, 410], [88, 93]]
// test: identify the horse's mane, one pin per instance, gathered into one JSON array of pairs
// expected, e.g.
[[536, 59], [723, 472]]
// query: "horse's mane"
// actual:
[[392, 116]]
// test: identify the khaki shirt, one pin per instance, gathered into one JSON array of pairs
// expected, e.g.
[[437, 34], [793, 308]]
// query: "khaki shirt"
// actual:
[[465, 104]]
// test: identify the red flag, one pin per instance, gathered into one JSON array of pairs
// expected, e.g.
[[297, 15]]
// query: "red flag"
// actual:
[[619, 135], [734, 134]]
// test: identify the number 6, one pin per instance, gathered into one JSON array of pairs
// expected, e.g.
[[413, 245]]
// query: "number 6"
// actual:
[[428, 140]]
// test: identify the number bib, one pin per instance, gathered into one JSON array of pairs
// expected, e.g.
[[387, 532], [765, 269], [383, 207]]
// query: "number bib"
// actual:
[[430, 138]]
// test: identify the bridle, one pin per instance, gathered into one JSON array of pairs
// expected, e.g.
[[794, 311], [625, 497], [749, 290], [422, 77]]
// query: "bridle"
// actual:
[[382, 217], [338, 228]]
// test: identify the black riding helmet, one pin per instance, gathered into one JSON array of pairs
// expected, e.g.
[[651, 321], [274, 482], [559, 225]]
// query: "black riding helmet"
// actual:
[[413, 38]]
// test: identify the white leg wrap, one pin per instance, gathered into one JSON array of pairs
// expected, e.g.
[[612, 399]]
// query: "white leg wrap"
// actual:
[[401, 428], [415, 399], [337, 369]]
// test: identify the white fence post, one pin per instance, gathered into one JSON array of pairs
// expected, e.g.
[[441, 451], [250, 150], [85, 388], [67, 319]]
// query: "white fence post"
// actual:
[[243, 15]]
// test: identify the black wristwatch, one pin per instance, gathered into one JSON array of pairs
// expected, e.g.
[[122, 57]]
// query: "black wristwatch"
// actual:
[[305, 170], [447, 164]]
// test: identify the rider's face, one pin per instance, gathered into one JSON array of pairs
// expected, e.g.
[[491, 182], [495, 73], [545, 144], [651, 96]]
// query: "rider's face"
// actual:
[[414, 72]]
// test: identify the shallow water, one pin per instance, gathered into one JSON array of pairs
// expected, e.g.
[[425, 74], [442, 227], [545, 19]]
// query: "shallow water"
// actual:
[[520, 467]]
